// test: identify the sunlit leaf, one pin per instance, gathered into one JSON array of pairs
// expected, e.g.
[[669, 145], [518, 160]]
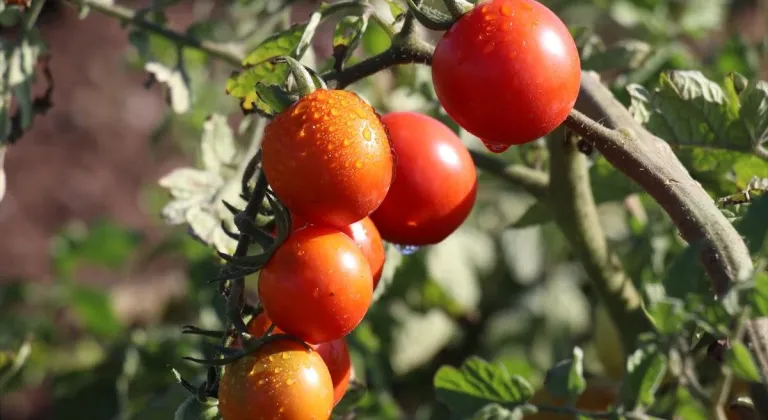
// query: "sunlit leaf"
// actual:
[[177, 82], [566, 378], [740, 360], [646, 368]]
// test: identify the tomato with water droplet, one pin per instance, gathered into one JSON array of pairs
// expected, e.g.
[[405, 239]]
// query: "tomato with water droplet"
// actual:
[[436, 183], [328, 159], [317, 285], [507, 71], [282, 380], [335, 354]]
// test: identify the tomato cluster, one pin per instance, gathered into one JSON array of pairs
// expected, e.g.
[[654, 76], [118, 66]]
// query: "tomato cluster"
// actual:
[[507, 71]]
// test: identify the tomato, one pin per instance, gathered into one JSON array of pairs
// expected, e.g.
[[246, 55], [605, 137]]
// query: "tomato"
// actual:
[[328, 158], [335, 354], [435, 186], [367, 237], [282, 380], [317, 285], [508, 71]]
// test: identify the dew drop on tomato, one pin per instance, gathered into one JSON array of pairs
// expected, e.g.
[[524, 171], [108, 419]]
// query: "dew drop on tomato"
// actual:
[[496, 147], [406, 249]]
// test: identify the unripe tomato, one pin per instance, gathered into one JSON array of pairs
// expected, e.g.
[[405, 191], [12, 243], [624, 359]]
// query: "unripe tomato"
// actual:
[[367, 237], [335, 354], [282, 380], [317, 285], [508, 71], [435, 186], [328, 159]]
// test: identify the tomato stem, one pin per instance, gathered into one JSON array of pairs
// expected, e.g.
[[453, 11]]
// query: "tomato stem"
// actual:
[[302, 75], [458, 8]]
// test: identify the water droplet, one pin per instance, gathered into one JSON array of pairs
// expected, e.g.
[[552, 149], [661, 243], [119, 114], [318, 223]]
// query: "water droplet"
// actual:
[[281, 410], [406, 249], [300, 107], [277, 370], [286, 356], [490, 16], [347, 142], [290, 382], [488, 48], [360, 113], [506, 9], [302, 132], [315, 114], [496, 147], [334, 112], [358, 164], [367, 135], [271, 358], [262, 381]]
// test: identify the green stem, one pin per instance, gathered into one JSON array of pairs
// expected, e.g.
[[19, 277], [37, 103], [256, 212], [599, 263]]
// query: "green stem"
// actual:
[[130, 17], [575, 211], [34, 13]]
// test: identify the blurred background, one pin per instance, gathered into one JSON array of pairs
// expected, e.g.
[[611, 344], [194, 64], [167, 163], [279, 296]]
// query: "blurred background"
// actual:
[[95, 286]]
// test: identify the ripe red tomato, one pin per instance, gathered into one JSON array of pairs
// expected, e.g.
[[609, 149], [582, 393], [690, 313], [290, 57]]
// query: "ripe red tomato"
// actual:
[[367, 237], [317, 285], [508, 71], [335, 354], [328, 158], [435, 186], [282, 380]]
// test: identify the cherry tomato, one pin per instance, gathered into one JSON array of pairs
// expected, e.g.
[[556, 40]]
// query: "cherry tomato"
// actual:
[[282, 380], [328, 158], [367, 237], [508, 71], [335, 354], [435, 186], [317, 286]]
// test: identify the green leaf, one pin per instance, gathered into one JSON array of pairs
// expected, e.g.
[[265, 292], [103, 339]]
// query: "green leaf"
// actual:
[[178, 85], [497, 412], [93, 307], [646, 368], [429, 17], [104, 244], [685, 275], [218, 150], [478, 383], [395, 8], [623, 55], [566, 378], [758, 298], [668, 315], [347, 36], [753, 227], [17, 62], [537, 214], [274, 96], [609, 184], [740, 360], [259, 69], [192, 409], [689, 110]]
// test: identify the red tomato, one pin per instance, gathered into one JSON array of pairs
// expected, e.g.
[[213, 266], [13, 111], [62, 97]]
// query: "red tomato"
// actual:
[[435, 186], [367, 237], [335, 354], [508, 71], [282, 380], [317, 285], [328, 158]]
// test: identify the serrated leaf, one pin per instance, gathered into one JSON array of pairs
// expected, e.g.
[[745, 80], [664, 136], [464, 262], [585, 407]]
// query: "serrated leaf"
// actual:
[[218, 149], [177, 82], [497, 412], [753, 227], [689, 110], [740, 361], [623, 55], [275, 97], [346, 37], [478, 383], [668, 315], [758, 298], [187, 183], [646, 368], [566, 378]]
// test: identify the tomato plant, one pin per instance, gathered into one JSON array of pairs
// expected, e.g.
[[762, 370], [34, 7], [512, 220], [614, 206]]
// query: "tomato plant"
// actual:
[[435, 186], [335, 354], [328, 158], [322, 271], [282, 380], [508, 71]]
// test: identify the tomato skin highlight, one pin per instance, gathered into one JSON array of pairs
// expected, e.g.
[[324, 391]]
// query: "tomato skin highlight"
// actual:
[[335, 354], [328, 158], [508, 71], [317, 286], [282, 380], [436, 183], [367, 237]]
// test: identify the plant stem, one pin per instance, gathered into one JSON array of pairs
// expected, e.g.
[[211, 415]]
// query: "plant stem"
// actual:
[[34, 13], [534, 182], [136, 19]]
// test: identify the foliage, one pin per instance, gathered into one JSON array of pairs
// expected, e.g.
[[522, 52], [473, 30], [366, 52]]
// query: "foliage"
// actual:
[[469, 328]]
